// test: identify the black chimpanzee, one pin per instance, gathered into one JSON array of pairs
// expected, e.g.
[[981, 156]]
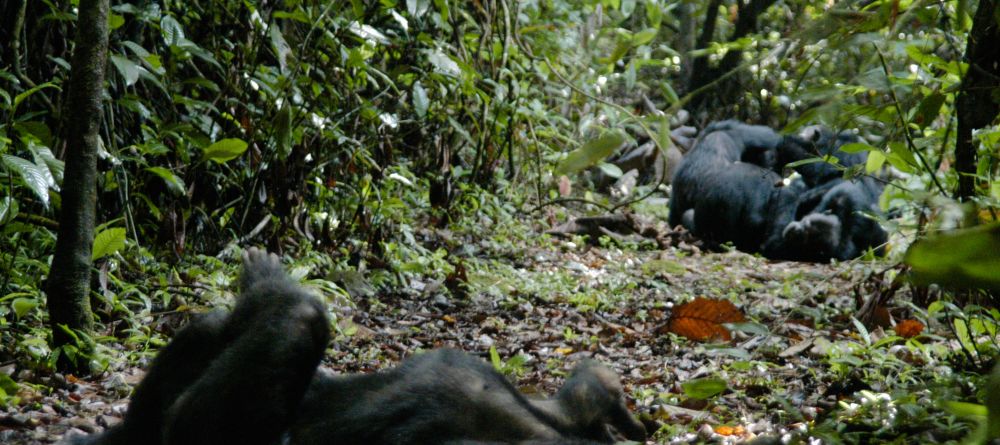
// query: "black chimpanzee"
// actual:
[[727, 189], [853, 202], [250, 378]]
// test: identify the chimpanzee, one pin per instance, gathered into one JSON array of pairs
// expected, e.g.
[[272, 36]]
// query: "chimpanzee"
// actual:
[[251, 378], [448, 395], [719, 147], [852, 201], [727, 189]]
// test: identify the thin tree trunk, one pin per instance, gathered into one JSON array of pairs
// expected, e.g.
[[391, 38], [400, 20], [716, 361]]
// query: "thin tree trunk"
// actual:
[[976, 106], [68, 286]]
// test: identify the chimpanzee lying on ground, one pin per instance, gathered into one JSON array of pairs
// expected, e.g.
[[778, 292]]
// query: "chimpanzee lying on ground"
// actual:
[[829, 197], [250, 378], [727, 190]]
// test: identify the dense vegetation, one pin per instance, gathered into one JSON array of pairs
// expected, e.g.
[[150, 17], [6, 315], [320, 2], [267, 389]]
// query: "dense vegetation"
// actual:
[[410, 154]]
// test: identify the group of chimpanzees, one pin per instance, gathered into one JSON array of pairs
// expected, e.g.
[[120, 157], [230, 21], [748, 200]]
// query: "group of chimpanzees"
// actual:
[[251, 378], [729, 188]]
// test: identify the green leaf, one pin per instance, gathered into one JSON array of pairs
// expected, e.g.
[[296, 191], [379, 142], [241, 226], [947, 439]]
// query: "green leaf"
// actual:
[[420, 100], [704, 388], [592, 152], [643, 37], [665, 267], [107, 242], [495, 358], [929, 109], [127, 68], [23, 305], [966, 259], [115, 21], [876, 159], [748, 327], [174, 183], [171, 30], [627, 7], [21, 97], [417, 8], [225, 150], [993, 404], [8, 209], [862, 330], [33, 176], [283, 131], [856, 147], [281, 48], [611, 170], [654, 15]]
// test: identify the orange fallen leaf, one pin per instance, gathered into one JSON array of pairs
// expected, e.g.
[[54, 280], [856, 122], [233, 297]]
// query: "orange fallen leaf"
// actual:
[[449, 319], [724, 430], [702, 319], [909, 328]]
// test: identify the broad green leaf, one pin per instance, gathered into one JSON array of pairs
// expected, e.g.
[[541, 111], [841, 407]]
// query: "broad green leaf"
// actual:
[[627, 7], [856, 147], [174, 183], [417, 8], [862, 330], [107, 242], [127, 68], [136, 49], [23, 305], [654, 15], [420, 100], [643, 37], [443, 64], [298, 15], [966, 259], [225, 150], [36, 129], [704, 388], [748, 327], [876, 159], [592, 152], [172, 31], [610, 169], [8, 209], [281, 48], [965, 409], [369, 33], [43, 160], [7, 383], [33, 176], [115, 21], [929, 109], [495, 358]]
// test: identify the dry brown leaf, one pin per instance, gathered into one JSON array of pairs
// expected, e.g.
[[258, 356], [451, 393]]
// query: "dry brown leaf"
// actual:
[[909, 328], [702, 319]]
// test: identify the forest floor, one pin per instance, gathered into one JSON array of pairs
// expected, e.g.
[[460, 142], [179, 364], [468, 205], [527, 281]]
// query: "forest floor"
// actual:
[[800, 366]]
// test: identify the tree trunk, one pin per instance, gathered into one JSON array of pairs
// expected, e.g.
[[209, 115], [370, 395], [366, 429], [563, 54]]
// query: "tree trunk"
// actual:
[[976, 107], [68, 286]]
